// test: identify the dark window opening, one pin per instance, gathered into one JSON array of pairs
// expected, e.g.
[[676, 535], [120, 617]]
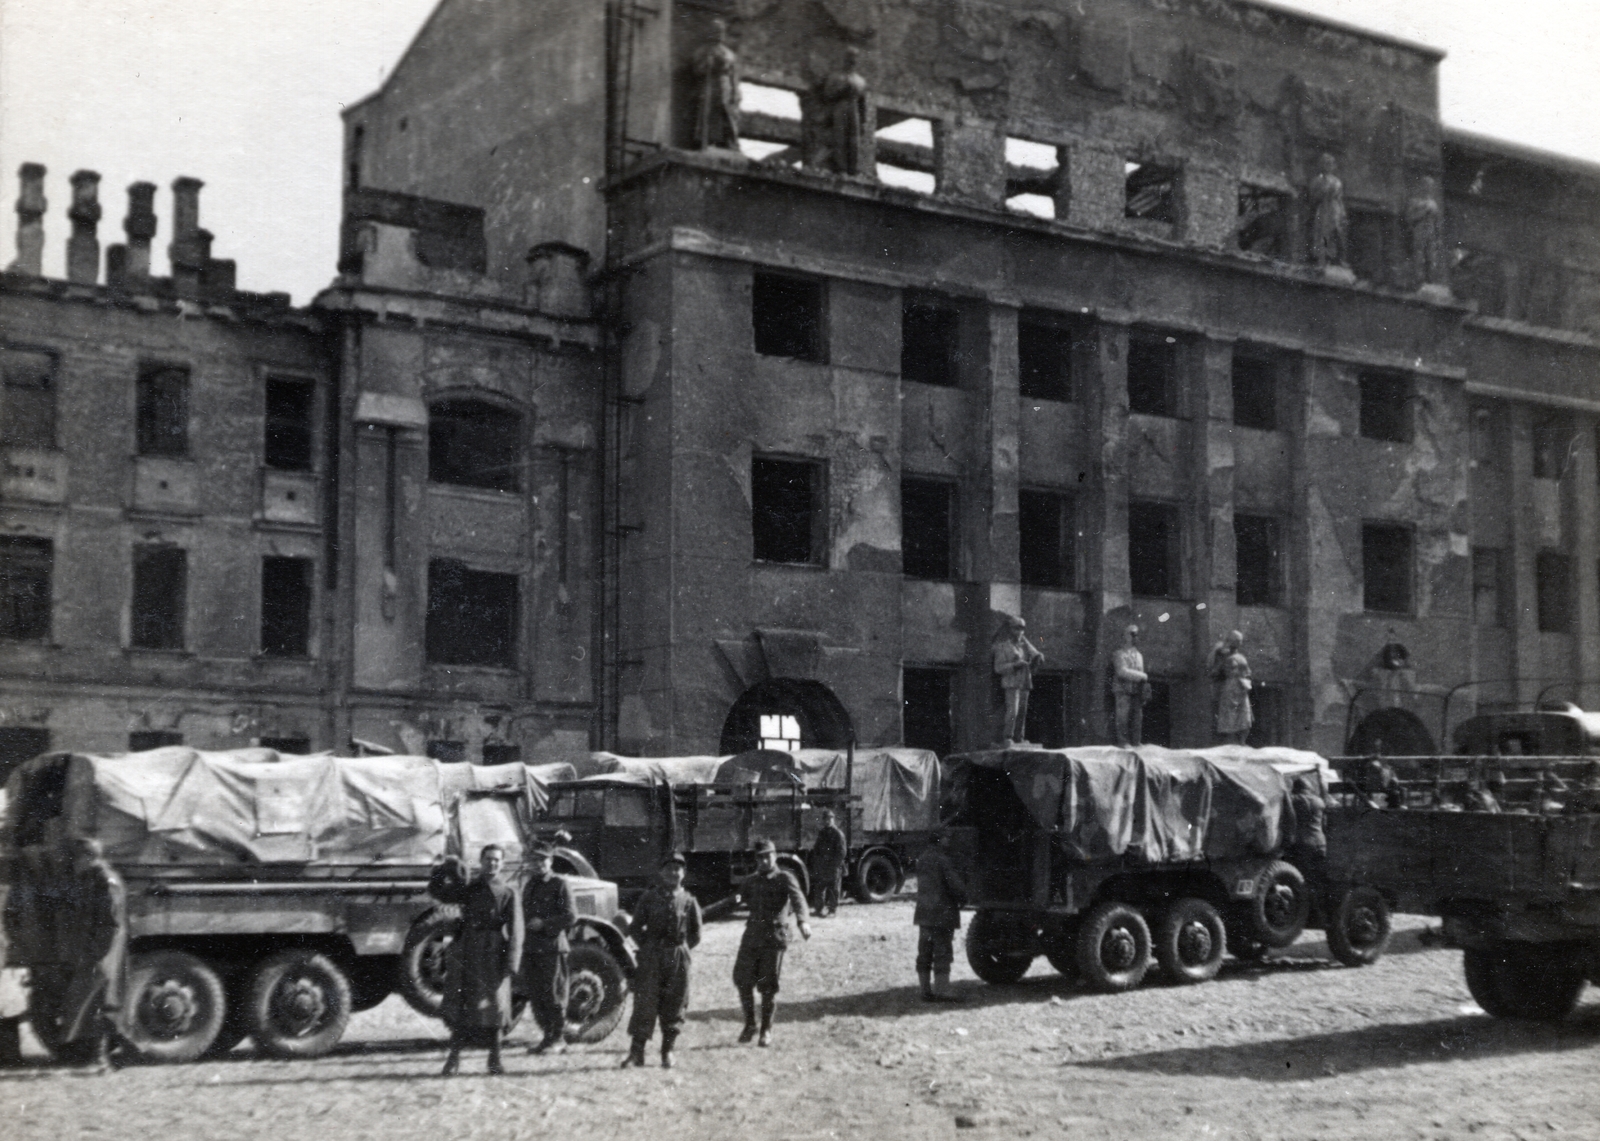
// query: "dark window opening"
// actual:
[[472, 616], [1489, 596], [787, 315], [1256, 561], [786, 516], [160, 583], [926, 693], [907, 151], [1553, 440], [1152, 360], [930, 339], [473, 444], [26, 566], [1055, 717], [1485, 438], [1157, 726], [450, 752], [927, 528], [153, 739], [501, 754], [27, 399], [1263, 222], [1255, 391], [1150, 191], [1153, 553], [1386, 407], [289, 431], [291, 746], [20, 743], [1047, 531], [770, 128], [286, 607], [1386, 568], [1270, 705], [1371, 241], [1553, 586], [1047, 353], [162, 419], [1033, 176]]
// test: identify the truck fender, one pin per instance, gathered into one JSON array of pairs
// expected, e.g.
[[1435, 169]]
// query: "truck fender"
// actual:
[[795, 866], [607, 933], [579, 864]]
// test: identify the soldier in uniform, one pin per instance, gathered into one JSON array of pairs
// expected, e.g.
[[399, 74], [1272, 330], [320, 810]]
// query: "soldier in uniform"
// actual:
[[483, 957], [940, 894], [549, 913], [666, 928], [827, 866], [772, 896], [93, 939]]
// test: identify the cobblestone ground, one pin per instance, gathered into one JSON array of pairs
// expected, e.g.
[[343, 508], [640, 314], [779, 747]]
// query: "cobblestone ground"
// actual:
[[1299, 1048]]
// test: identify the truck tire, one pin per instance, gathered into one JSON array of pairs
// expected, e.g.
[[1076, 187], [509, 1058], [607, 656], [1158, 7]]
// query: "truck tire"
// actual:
[[1060, 942], [876, 879], [1277, 914], [1525, 980], [1359, 928], [596, 988], [422, 960], [1113, 947], [1190, 941], [299, 1004], [174, 1008], [996, 949]]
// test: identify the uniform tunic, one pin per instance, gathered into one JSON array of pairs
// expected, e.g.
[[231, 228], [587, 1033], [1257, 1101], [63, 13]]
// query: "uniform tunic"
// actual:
[[481, 960], [772, 899], [548, 908], [940, 894], [666, 928], [827, 865], [95, 941]]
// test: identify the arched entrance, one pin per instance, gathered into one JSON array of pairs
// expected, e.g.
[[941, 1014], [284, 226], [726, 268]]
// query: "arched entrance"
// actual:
[[1391, 733], [808, 709]]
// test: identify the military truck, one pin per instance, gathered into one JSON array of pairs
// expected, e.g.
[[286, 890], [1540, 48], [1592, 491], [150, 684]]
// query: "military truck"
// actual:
[[273, 896], [1104, 859]]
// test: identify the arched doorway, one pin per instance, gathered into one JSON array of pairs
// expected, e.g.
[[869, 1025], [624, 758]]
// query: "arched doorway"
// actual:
[[1391, 733], [800, 711]]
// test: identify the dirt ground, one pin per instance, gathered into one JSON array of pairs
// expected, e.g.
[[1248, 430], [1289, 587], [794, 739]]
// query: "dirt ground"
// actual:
[[1299, 1048]]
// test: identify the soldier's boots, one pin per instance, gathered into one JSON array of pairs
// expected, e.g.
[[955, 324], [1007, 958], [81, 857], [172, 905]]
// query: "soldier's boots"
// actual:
[[941, 988], [495, 1066], [668, 1041], [452, 1063], [748, 1034], [766, 1021], [636, 1053]]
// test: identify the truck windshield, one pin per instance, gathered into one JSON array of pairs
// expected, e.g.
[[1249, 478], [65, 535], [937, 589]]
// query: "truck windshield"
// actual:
[[570, 805], [626, 808]]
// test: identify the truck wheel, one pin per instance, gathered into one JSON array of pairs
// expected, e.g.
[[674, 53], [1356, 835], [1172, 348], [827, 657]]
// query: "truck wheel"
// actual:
[[1358, 930], [1113, 947], [1190, 941], [1060, 941], [877, 878], [596, 987], [1278, 912], [993, 949], [175, 1006], [422, 961], [299, 1004], [1525, 980]]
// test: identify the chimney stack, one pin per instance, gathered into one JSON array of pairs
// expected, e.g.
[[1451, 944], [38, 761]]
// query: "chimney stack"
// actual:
[[83, 247], [31, 206], [190, 245], [140, 226]]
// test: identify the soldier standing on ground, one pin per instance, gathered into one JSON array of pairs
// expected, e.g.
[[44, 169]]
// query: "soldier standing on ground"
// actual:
[[666, 928], [1130, 689], [93, 939], [548, 908], [772, 897], [827, 866], [940, 894], [483, 956]]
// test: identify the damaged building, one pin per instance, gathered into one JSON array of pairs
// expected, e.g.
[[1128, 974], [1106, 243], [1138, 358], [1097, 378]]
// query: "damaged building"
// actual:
[[719, 372]]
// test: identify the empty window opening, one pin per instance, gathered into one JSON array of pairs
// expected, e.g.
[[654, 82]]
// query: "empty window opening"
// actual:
[[160, 584], [501, 753], [927, 528], [786, 516], [769, 124], [472, 616], [1048, 350], [1489, 594], [779, 731], [906, 152], [1033, 174], [291, 746], [1270, 705], [1386, 568], [19, 743], [289, 424], [787, 315], [1055, 709], [1258, 572], [1152, 364], [1484, 427], [1263, 222], [1553, 441], [1553, 587], [1371, 244], [162, 416], [450, 752], [925, 693], [25, 572], [930, 340], [1157, 726], [1386, 407], [1047, 539], [1150, 191], [1154, 557], [27, 399], [474, 444], [1255, 391], [286, 607], [145, 739]]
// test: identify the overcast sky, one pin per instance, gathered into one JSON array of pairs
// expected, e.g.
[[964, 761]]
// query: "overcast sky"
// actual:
[[246, 94]]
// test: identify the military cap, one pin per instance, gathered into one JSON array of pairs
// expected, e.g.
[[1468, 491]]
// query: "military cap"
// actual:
[[541, 849], [674, 858], [763, 846]]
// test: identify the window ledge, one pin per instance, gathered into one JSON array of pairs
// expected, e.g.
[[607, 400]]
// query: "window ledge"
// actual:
[[287, 659], [496, 671], [154, 652], [487, 494], [791, 566]]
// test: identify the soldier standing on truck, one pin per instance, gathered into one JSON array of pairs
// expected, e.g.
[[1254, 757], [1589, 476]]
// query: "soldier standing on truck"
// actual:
[[1130, 689], [827, 866], [549, 911], [940, 894], [481, 960], [772, 896], [666, 928]]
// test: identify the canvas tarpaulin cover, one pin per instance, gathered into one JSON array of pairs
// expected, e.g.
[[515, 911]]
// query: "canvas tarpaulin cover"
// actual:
[[1154, 805]]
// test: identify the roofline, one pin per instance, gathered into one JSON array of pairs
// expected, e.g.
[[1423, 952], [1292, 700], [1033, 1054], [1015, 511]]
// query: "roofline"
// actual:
[[1519, 152], [1433, 53], [400, 60]]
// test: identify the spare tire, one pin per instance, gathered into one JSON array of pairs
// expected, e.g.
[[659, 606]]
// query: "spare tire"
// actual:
[[1277, 913], [422, 960], [1359, 927]]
